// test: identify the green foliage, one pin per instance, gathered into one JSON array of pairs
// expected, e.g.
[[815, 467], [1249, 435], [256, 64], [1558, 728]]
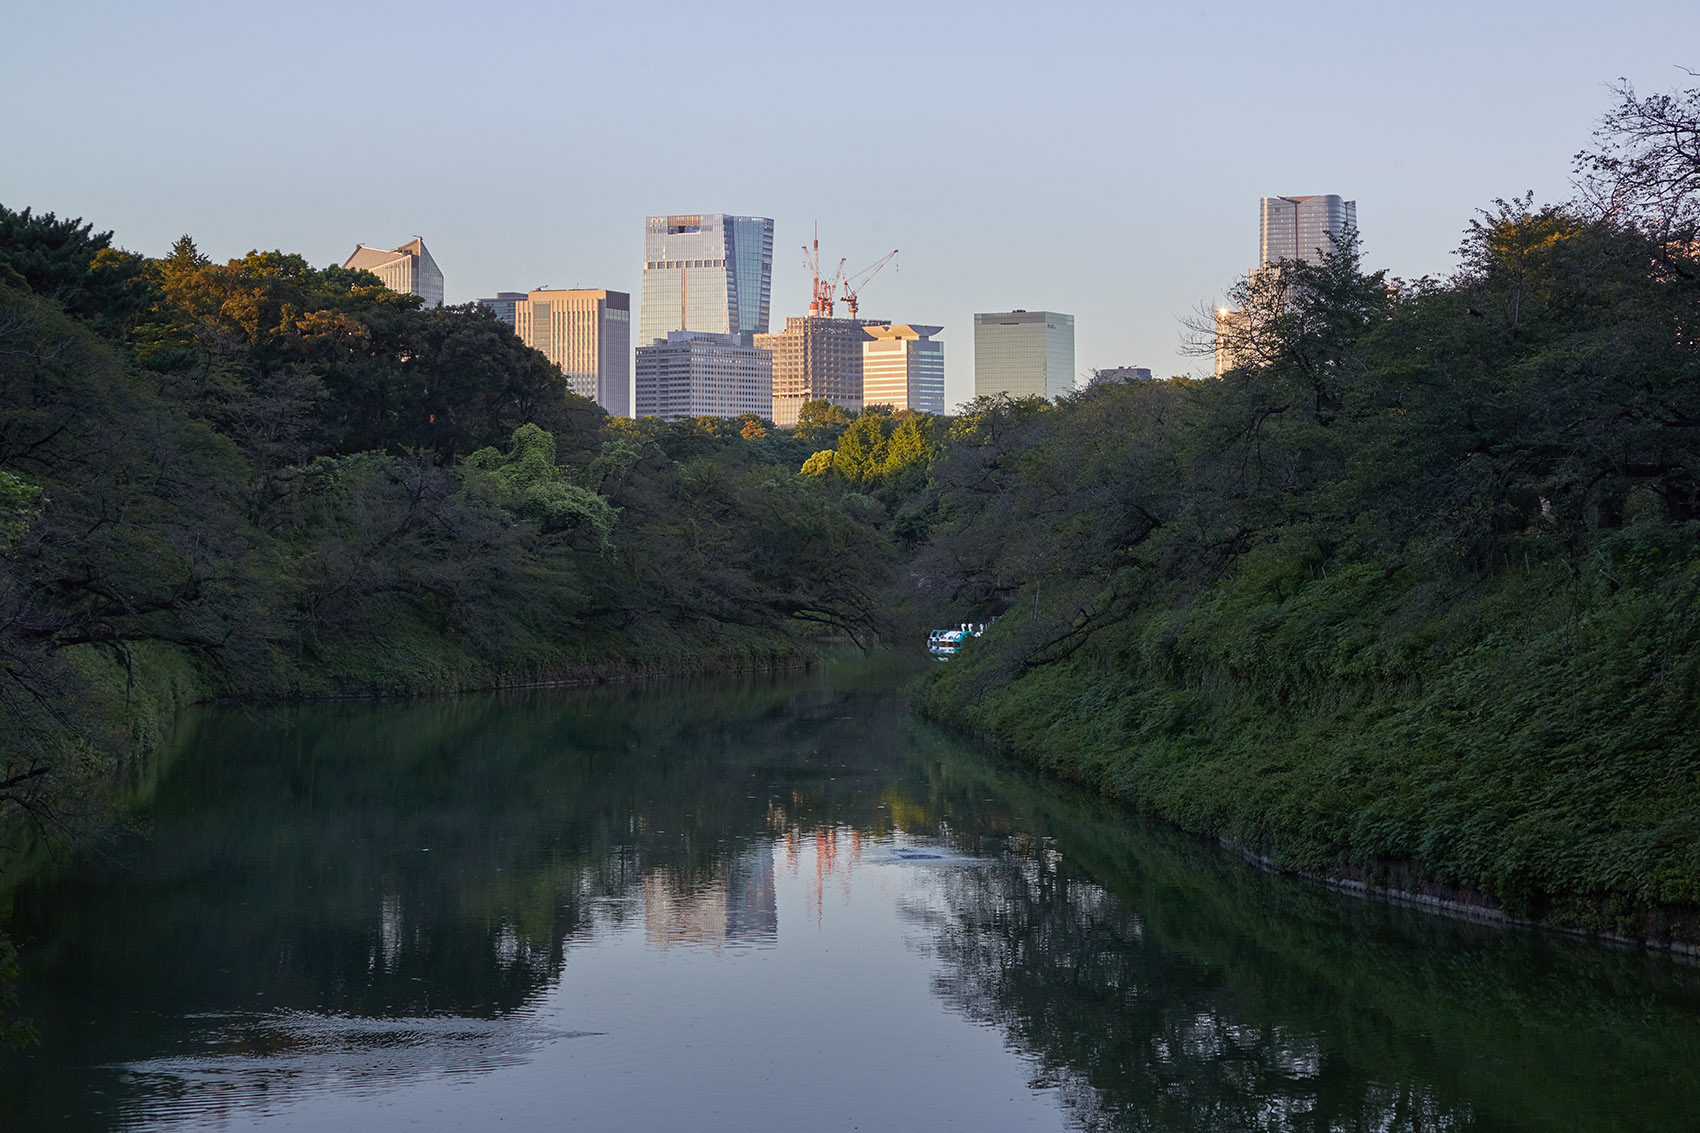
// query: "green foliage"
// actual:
[[538, 490], [860, 456], [1409, 594], [15, 1033], [261, 479], [70, 263], [821, 423], [19, 507]]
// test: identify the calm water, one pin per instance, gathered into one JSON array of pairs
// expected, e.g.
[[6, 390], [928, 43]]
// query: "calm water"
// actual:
[[775, 904]]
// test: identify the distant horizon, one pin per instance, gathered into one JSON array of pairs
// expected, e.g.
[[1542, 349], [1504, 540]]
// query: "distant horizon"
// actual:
[[1104, 161]]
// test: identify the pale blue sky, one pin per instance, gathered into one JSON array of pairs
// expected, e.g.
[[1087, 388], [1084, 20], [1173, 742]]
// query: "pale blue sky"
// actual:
[[1104, 160]]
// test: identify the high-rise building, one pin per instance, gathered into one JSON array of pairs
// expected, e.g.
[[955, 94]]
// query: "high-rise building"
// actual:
[[407, 270], [708, 272], [1289, 228], [588, 334], [903, 367], [697, 374], [1023, 353], [815, 357], [1302, 228], [502, 303]]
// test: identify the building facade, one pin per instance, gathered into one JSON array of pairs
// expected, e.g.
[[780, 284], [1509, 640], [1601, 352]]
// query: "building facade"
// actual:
[[1302, 228], [903, 367], [1023, 354], [407, 270], [697, 374], [1119, 375], [707, 272], [588, 334], [502, 303], [814, 358]]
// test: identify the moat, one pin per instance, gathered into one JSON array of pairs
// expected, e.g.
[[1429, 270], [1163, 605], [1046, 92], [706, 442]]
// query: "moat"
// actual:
[[780, 902]]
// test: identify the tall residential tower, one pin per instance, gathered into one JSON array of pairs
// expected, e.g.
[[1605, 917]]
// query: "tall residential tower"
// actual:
[[1302, 228], [708, 272], [1289, 228]]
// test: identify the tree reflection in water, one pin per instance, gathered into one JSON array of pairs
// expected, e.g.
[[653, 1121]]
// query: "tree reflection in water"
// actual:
[[372, 893]]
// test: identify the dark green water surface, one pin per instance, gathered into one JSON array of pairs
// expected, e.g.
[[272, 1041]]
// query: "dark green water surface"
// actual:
[[780, 903]]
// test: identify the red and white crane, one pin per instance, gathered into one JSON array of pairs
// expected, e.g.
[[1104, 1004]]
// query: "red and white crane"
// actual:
[[853, 286], [823, 290]]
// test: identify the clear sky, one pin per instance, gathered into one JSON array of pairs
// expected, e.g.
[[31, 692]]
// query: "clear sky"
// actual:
[[1099, 159]]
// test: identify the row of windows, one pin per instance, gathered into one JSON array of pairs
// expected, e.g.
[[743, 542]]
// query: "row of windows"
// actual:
[[669, 265]]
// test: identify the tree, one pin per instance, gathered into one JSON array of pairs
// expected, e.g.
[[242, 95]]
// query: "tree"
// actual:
[[537, 490], [1644, 168], [19, 507], [70, 263], [861, 451], [820, 422]]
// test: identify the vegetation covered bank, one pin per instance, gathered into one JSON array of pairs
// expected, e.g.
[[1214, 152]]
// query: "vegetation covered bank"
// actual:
[[1412, 595]]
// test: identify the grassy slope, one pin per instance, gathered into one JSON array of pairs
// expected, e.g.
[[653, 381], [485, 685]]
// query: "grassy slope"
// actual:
[[1528, 745]]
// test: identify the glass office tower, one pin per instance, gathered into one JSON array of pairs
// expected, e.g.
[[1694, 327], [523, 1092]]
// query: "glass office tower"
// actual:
[[1300, 228], [1023, 353], [706, 271]]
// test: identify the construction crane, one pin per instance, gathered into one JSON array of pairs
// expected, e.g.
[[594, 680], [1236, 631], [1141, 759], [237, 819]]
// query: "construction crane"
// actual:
[[821, 293], [853, 286]]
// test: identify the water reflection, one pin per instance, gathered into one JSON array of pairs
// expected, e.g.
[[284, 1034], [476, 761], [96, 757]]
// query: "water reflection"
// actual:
[[639, 899], [736, 907]]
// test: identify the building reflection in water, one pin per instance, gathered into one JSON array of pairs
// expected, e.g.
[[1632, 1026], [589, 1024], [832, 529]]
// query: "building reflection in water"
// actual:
[[836, 850], [736, 906]]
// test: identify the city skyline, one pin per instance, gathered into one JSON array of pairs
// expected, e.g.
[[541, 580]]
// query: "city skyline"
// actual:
[[1105, 161]]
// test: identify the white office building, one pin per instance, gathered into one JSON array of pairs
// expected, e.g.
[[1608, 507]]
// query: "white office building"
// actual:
[[407, 270], [903, 367]]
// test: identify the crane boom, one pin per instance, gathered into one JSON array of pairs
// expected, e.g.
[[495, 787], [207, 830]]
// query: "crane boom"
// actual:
[[853, 285]]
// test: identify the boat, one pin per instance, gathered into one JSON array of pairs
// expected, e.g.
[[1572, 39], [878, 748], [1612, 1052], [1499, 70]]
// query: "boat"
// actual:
[[947, 642]]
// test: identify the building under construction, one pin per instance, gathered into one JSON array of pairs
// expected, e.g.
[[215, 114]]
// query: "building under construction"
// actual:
[[815, 357]]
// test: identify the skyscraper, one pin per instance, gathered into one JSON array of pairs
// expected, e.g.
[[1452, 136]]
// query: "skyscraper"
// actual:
[[708, 272], [693, 373], [1023, 353], [1289, 228], [903, 367], [1302, 228], [815, 357], [588, 334], [408, 270]]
